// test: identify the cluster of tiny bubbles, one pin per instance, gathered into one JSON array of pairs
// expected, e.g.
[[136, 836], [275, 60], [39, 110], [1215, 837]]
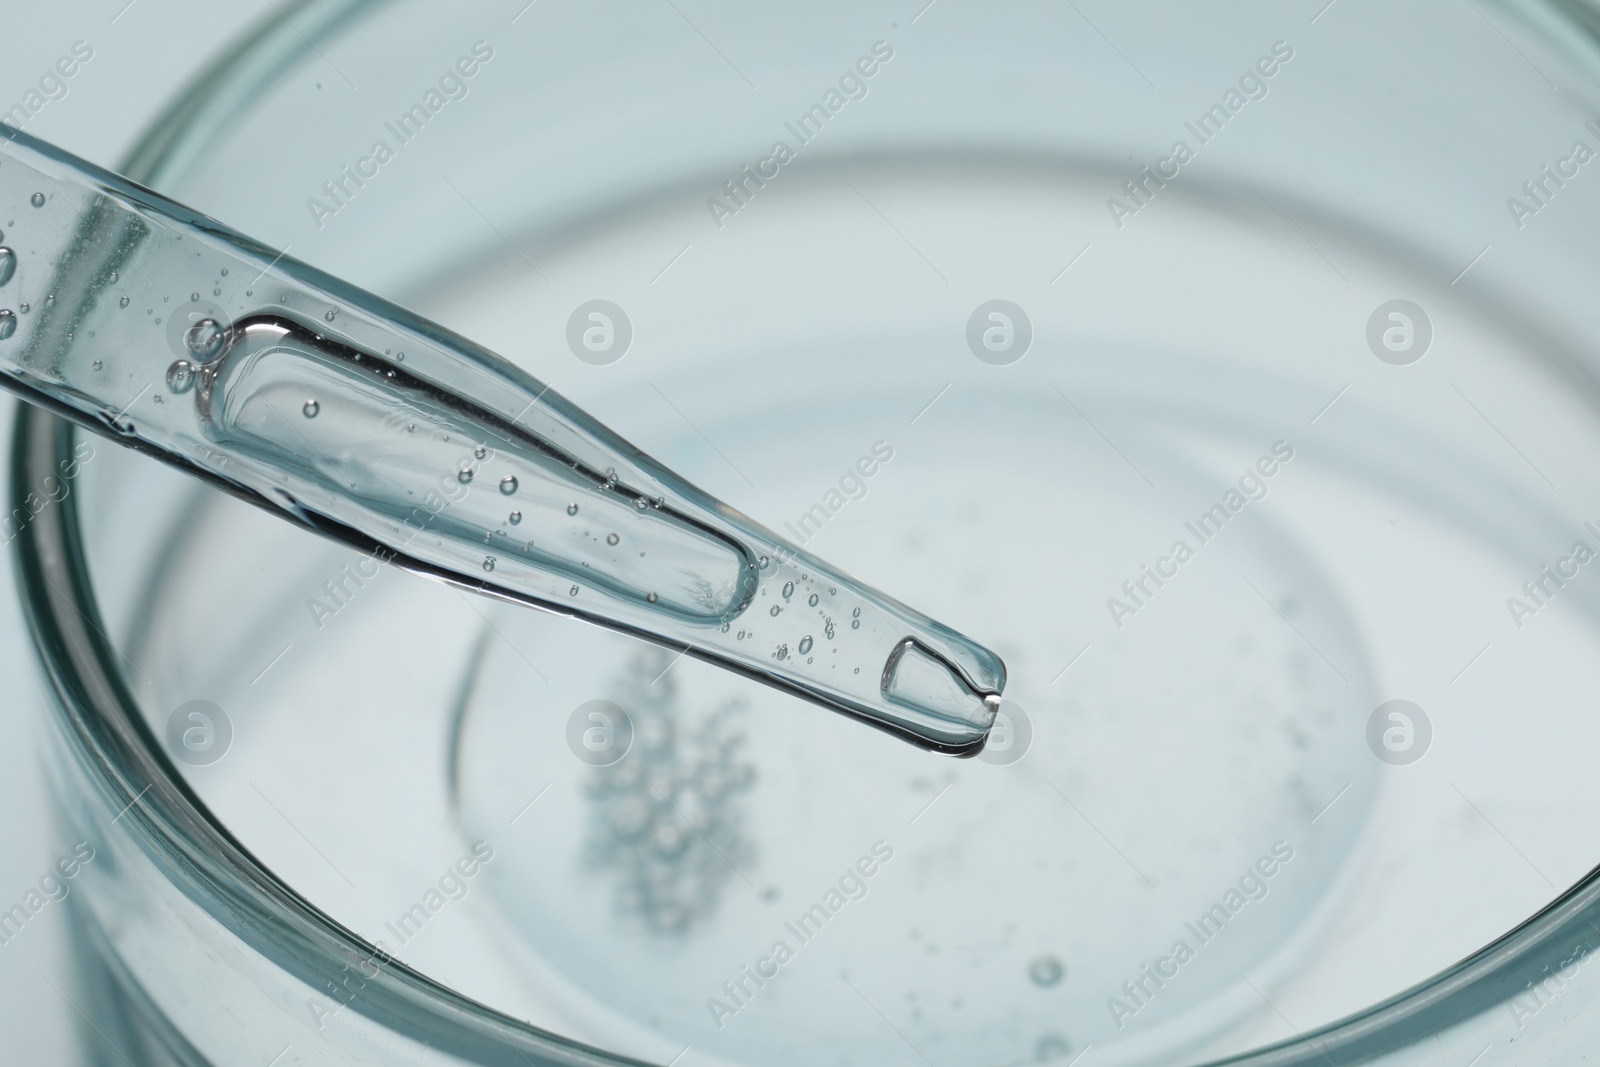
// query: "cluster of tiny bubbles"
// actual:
[[37, 200], [805, 644], [788, 590], [777, 609], [782, 652], [464, 475], [180, 376], [8, 264], [572, 509], [855, 618], [122, 303], [827, 629], [508, 485], [310, 409], [612, 539], [515, 517], [1045, 971], [611, 479], [8, 323], [488, 563]]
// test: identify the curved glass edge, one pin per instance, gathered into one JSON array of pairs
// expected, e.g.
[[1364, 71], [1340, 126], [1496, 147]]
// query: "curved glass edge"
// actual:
[[176, 831]]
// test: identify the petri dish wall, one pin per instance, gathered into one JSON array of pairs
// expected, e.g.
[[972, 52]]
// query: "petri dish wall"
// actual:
[[1229, 372]]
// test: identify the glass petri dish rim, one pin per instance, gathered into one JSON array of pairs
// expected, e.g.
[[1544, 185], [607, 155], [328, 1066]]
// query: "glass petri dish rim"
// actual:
[[106, 734]]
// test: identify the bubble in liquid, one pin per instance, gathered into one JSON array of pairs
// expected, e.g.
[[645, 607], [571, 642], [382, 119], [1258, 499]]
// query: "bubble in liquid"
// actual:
[[205, 339], [37, 200], [1051, 1047], [310, 409], [776, 608], [1045, 971], [612, 539], [8, 323], [650, 598], [764, 561], [23, 308], [855, 613], [8, 264], [788, 590], [805, 644], [464, 475], [515, 517], [224, 272], [97, 364], [573, 591], [855, 624], [828, 630], [122, 303], [572, 509], [812, 599], [641, 503], [50, 300], [782, 652], [508, 485], [611, 478], [194, 298], [180, 376], [330, 315], [480, 451]]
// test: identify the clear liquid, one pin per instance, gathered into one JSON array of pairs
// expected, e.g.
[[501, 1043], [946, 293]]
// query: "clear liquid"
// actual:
[[1168, 755], [450, 463]]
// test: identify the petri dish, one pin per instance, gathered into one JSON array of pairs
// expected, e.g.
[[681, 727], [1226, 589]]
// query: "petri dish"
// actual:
[[1261, 463]]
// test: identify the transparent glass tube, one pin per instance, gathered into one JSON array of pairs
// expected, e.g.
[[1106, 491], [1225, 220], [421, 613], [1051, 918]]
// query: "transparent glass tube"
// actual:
[[339, 411]]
